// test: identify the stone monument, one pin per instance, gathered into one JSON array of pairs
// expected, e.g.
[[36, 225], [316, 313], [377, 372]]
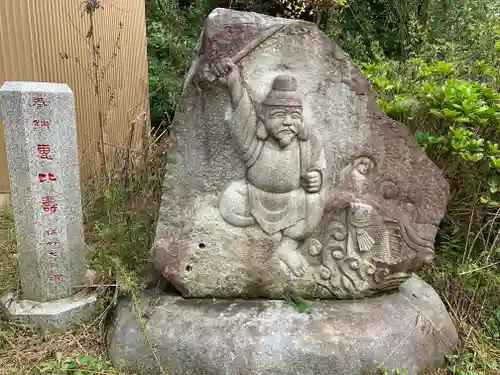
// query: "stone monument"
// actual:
[[41, 141], [286, 179]]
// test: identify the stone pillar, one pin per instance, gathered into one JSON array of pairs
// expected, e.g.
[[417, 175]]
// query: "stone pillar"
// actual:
[[41, 141]]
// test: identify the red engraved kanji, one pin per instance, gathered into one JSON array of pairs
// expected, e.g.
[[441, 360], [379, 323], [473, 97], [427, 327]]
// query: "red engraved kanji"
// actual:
[[41, 123], [51, 232], [38, 101], [58, 278], [48, 204], [43, 177], [53, 243], [52, 254], [44, 151]]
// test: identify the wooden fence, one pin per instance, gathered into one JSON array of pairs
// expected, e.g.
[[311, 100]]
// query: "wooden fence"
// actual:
[[98, 48]]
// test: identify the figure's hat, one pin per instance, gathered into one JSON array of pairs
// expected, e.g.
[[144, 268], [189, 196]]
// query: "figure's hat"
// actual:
[[283, 92]]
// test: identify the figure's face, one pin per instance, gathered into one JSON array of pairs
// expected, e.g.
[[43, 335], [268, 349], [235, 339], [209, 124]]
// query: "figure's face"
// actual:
[[283, 123], [364, 166]]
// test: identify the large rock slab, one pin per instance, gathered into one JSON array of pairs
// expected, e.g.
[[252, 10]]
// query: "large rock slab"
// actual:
[[341, 204], [409, 331]]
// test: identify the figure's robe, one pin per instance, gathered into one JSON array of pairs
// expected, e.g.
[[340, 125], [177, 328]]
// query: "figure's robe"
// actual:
[[275, 196]]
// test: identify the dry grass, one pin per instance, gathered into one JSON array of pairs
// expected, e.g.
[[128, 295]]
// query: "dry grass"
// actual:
[[22, 349], [119, 219], [120, 212], [8, 253], [440, 371], [467, 277]]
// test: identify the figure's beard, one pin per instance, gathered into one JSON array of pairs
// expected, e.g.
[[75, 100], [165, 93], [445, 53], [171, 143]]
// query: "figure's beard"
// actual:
[[285, 137]]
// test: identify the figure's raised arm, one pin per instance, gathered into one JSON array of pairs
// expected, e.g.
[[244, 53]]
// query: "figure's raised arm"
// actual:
[[228, 74], [241, 118]]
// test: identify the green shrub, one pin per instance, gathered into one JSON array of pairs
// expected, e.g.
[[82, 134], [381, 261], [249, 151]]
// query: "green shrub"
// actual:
[[172, 31], [454, 109], [402, 28]]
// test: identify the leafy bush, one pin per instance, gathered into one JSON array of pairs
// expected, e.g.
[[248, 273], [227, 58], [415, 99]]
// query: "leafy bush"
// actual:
[[453, 106], [455, 111], [172, 31], [457, 29]]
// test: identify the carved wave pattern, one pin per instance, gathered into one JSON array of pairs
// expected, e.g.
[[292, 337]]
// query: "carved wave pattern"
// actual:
[[364, 255]]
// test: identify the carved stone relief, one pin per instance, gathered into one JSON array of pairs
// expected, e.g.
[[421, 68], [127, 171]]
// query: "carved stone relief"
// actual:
[[257, 202], [283, 193], [358, 251], [356, 173], [285, 164], [363, 252]]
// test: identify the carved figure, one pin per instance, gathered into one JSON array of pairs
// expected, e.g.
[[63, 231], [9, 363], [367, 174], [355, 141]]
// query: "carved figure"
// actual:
[[285, 163], [357, 171], [362, 166]]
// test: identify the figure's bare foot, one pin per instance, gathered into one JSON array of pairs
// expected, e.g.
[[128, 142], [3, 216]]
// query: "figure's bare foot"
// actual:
[[288, 254], [296, 262]]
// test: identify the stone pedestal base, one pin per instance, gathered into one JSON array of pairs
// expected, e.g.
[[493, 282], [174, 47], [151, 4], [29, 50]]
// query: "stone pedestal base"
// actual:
[[52, 316], [409, 330]]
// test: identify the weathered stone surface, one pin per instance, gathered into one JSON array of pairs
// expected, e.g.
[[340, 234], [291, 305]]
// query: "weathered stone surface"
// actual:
[[345, 204], [53, 316], [41, 140], [408, 330]]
